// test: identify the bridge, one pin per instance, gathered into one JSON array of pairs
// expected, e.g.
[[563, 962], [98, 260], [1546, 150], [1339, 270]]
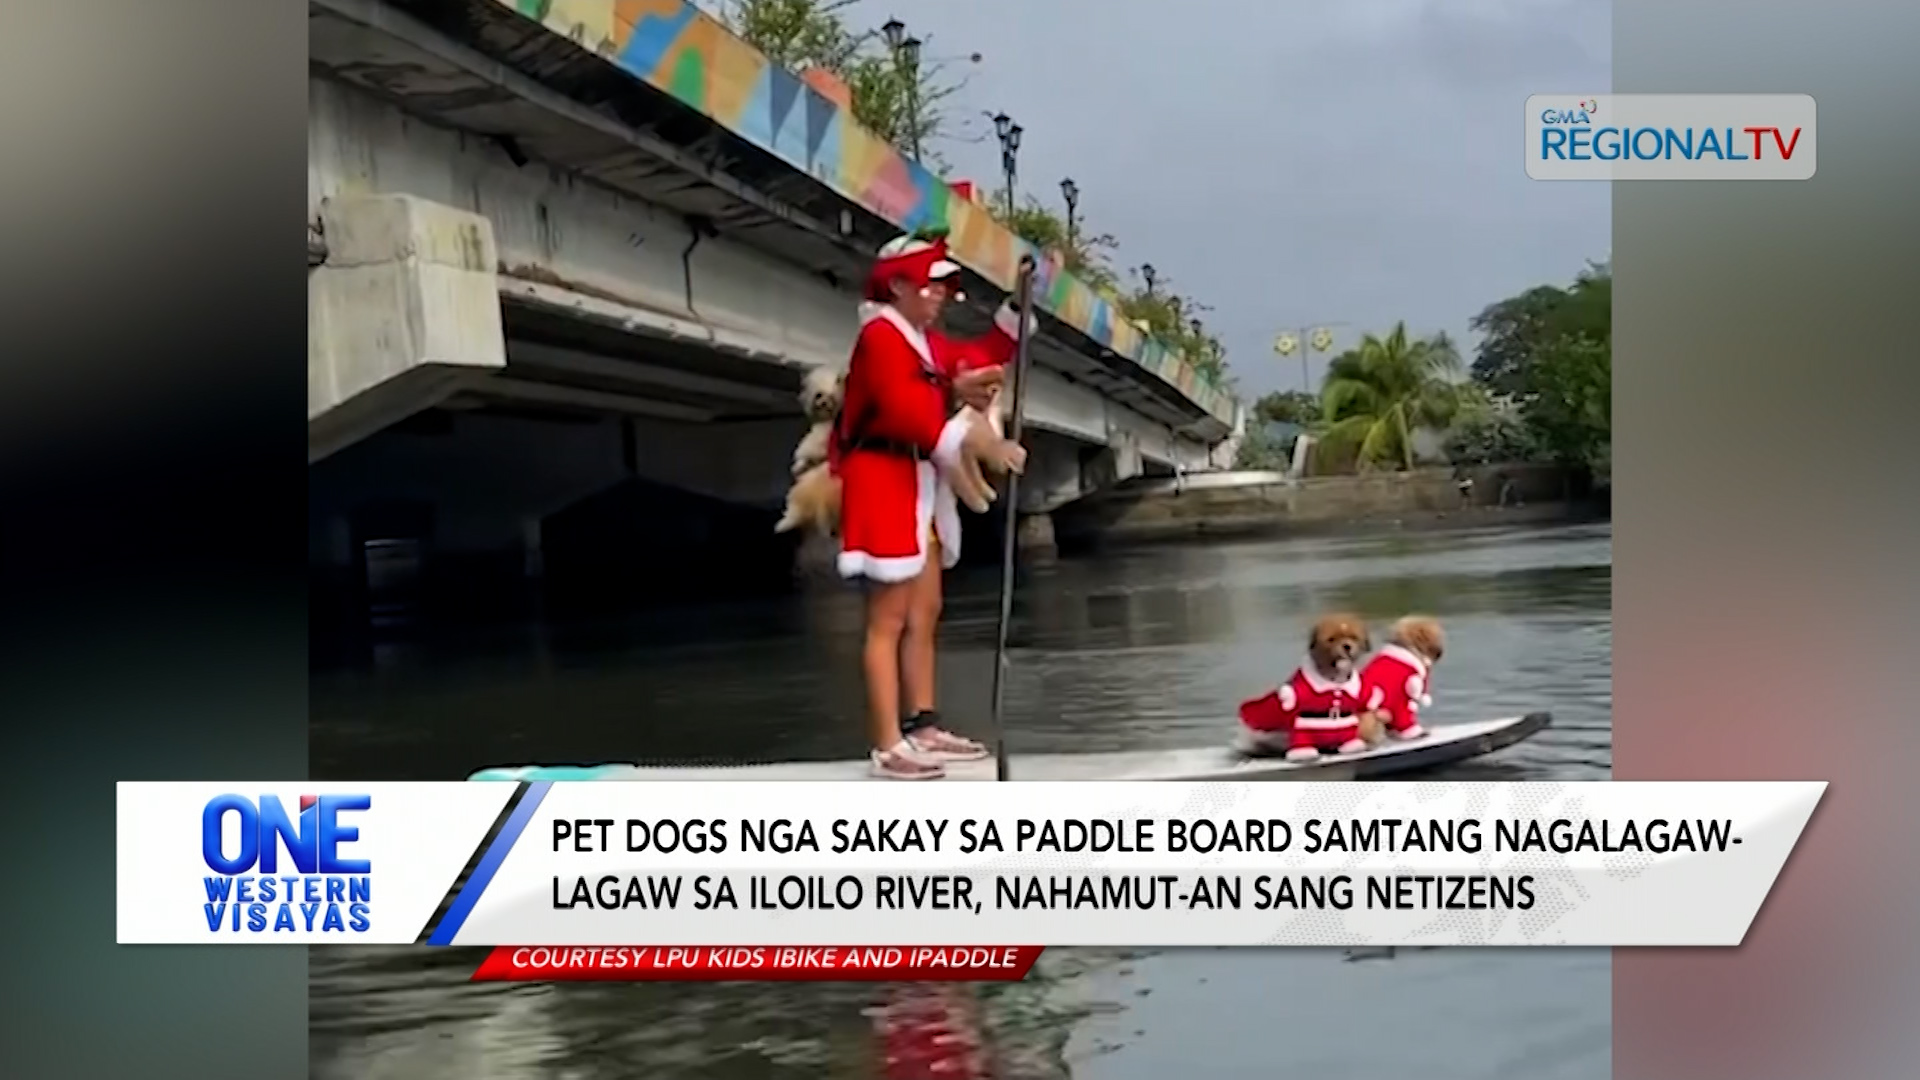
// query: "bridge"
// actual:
[[563, 250]]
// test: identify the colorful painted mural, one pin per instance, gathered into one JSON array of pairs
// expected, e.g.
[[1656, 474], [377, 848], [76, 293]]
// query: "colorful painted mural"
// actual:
[[678, 49]]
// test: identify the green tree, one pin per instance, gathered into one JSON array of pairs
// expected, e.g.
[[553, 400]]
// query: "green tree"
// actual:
[[1175, 320], [1570, 409], [1086, 256], [1288, 407], [1491, 438], [796, 34], [1550, 352], [906, 106], [1260, 449], [1377, 394], [1517, 330], [909, 107]]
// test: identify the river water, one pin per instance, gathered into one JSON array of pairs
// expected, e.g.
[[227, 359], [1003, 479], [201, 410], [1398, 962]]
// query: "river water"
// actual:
[[1148, 648]]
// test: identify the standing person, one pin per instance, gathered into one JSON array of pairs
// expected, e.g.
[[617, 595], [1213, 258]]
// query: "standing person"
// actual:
[[897, 440]]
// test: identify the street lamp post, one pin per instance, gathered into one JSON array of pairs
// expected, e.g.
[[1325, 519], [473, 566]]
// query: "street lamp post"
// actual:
[[906, 61], [910, 59], [1070, 191], [1306, 342], [1009, 133]]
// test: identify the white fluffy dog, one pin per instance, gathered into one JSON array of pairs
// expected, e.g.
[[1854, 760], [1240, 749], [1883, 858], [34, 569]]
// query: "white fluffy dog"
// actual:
[[820, 395]]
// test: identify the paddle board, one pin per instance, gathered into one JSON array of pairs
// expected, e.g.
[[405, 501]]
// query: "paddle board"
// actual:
[[1444, 745]]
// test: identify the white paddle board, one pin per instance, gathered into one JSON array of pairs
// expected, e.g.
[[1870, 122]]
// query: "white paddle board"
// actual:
[[1443, 745]]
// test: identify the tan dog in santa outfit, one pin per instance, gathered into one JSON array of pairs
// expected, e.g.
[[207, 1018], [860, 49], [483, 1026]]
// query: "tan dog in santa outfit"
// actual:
[[1398, 680], [814, 499]]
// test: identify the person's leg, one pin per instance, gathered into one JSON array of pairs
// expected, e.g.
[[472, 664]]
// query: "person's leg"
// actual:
[[887, 607], [918, 663], [917, 653]]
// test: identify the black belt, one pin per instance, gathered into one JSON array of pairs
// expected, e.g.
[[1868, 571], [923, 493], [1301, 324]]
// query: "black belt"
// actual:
[[890, 447]]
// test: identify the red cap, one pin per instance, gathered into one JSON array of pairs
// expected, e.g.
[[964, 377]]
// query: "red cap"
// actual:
[[920, 260]]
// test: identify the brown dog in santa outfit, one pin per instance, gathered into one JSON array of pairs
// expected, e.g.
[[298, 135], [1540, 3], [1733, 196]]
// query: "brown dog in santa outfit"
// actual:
[[1318, 709]]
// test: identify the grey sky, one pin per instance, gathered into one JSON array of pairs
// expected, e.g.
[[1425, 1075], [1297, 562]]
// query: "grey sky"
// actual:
[[1292, 161]]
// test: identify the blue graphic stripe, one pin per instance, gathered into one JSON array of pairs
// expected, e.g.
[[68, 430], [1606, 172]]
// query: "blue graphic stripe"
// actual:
[[482, 876]]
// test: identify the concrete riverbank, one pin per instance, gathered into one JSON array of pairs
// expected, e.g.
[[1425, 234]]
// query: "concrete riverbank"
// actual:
[[1251, 504]]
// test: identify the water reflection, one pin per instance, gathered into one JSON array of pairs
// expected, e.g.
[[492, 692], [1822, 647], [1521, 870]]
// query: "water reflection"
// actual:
[[1152, 648]]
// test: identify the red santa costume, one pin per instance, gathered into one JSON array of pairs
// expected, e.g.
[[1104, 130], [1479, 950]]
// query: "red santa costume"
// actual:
[[898, 435], [927, 1031], [1396, 682], [1309, 714]]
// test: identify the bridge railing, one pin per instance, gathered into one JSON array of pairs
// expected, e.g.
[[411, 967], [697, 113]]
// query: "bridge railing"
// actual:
[[680, 50]]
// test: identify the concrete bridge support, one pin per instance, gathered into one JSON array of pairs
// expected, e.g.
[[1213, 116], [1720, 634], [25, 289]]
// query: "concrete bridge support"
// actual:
[[405, 305]]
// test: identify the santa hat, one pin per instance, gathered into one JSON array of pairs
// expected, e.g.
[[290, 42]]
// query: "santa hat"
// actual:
[[920, 259]]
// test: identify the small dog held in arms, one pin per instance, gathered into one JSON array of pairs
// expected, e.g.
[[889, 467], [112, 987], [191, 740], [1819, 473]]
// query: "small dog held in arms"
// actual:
[[1398, 680], [814, 499], [820, 394], [1319, 709]]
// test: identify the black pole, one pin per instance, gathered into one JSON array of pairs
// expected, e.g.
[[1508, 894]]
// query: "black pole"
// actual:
[[1023, 290]]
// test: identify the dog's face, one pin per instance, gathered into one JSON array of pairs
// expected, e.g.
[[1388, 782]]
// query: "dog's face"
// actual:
[[1422, 635], [1337, 642], [820, 393]]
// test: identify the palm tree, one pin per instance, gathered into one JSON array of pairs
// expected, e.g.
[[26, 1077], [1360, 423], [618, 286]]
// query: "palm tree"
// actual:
[[1379, 393]]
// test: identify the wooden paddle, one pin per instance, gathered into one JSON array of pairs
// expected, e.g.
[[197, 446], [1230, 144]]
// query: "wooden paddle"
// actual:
[[1023, 293]]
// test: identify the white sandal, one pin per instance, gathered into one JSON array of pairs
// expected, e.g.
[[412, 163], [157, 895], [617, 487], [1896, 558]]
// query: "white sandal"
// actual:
[[903, 763], [938, 744]]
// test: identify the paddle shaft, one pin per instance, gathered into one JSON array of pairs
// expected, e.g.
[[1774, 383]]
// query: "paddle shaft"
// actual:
[[1023, 290]]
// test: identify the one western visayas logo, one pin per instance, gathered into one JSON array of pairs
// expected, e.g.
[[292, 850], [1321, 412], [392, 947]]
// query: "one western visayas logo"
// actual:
[[316, 888]]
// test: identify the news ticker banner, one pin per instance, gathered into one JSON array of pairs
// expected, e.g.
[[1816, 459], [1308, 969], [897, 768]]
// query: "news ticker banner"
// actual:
[[784, 865], [1670, 137]]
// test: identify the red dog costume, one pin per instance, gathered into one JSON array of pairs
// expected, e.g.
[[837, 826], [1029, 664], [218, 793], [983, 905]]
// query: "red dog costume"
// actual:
[[1315, 714], [1395, 680], [897, 434]]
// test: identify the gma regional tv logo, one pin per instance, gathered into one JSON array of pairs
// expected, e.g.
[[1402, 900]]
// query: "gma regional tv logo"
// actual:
[[278, 871], [1670, 137]]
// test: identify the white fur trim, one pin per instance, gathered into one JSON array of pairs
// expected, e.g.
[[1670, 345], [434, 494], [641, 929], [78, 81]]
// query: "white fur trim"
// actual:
[[1303, 753], [946, 452], [1287, 698], [1353, 746], [944, 268], [859, 564], [1415, 687], [907, 330], [946, 516], [1321, 684], [1379, 696], [1426, 700], [1412, 732], [1007, 321], [903, 245], [1406, 656], [897, 568], [1324, 723]]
